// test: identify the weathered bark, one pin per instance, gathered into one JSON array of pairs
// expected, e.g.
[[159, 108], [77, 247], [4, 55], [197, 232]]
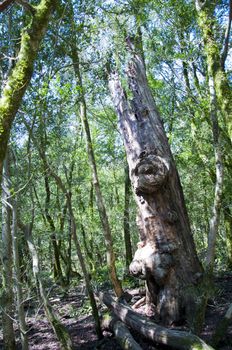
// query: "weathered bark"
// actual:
[[122, 334], [166, 257], [150, 330], [222, 327], [126, 218], [7, 300], [139, 303], [20, 76]]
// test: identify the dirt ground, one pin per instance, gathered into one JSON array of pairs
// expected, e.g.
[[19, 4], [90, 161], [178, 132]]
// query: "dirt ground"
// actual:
[[75, 316]]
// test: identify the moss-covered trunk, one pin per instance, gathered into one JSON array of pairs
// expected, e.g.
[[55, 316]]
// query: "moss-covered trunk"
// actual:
[[215, 65], [7, 298], [20, 75]]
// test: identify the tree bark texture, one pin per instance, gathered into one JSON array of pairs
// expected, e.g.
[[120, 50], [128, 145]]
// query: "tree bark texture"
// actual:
[[215, 217], [126, 218], [18, 284], [228, 227], [20, 76], [166, 255], [215, 67], [7, 299], [122, 333], [150, 330]]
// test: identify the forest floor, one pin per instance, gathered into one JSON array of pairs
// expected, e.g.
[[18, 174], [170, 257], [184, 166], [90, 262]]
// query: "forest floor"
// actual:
[[74, 311]]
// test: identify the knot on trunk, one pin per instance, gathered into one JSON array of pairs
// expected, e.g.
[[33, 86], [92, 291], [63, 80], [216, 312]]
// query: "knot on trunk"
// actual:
[[151, 173], [149, 262]]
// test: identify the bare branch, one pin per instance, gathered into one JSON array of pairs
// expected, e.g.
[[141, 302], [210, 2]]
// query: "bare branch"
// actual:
[[227, 37], [200, 4]]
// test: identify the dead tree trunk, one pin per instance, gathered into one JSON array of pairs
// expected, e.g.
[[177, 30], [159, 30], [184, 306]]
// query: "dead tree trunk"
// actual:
[[166, 257]]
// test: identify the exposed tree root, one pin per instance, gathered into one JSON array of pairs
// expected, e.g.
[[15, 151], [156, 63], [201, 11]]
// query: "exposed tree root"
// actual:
[[122, 333], [150, 330], [139, 303]]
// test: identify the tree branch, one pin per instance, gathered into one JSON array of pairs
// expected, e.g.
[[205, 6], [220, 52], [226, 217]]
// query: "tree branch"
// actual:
[[227, 37], [4, 4], [26, 6], [200, 4]]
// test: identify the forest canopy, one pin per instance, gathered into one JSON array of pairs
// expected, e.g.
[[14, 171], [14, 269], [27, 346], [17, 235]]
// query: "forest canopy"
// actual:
[[115, 161]]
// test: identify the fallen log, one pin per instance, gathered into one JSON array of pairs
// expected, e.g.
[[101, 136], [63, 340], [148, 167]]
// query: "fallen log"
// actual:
[[122, 333], [222, 327], [150, 330]]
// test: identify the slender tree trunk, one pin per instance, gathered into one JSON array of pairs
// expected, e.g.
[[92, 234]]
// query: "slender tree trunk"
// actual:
[[214, 221], [58, 275], [17, 82], [228, 228], [126, 218], [216, 70], [7, 300], [166, 257], [215, 216], [60, 331], [79, 252], [86, 275], [99, 198], [19, 292], [69, 252], [101, 206]]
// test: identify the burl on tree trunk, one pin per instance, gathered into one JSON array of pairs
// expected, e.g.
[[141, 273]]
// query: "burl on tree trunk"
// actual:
[[166, 256]]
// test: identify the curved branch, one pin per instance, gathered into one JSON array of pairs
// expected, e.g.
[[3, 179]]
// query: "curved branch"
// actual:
[[27, 6]]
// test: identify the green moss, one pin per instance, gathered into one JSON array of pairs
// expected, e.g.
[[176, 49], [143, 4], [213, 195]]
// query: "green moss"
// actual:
[[222, 88], [19, 79]]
